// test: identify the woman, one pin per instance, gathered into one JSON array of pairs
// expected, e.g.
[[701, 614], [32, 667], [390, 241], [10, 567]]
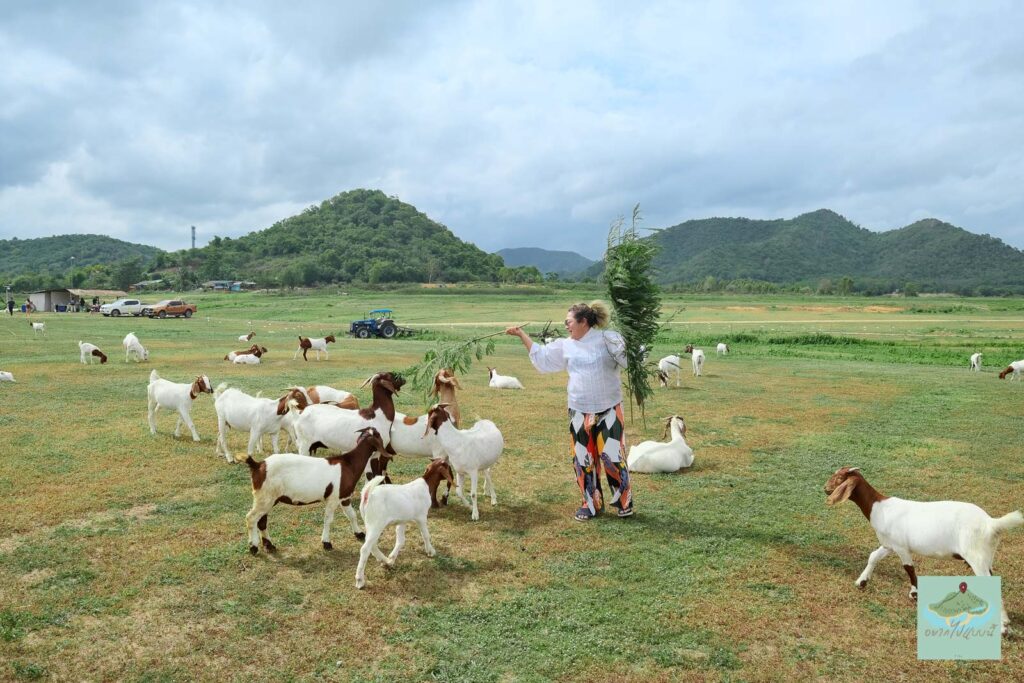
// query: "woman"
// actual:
[[593, 357]]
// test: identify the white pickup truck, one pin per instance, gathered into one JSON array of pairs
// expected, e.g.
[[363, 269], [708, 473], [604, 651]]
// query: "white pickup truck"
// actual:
[[123, 307]]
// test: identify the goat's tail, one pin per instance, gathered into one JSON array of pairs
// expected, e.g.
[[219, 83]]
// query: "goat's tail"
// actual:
[[370, 486], [153, 376], [221, 388], [1006, 522]]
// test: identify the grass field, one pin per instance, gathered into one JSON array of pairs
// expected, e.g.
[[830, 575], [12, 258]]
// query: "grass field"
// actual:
[[123, 555]]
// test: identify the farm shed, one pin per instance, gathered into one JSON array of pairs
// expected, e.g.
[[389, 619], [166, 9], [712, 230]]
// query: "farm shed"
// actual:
[[53, 300]]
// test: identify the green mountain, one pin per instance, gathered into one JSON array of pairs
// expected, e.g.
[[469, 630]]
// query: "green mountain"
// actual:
[[932, 255], [361, 235], [57, 255], [545, 260]]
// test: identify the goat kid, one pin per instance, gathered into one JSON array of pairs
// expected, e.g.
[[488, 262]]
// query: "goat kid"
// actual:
[[177, 397], [87, 351], [306, 344], [133, 347], [722, 349], [667, 366], [656, 456], [304, 480], [38, 328], [246, 337], [7, 377], [945, 529], [469, 451], [1015, 369], [502, 381], [382, 505], [696, 358], [976, 362]]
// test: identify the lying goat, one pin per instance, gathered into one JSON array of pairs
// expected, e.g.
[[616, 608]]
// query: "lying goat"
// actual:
[[657, 456]]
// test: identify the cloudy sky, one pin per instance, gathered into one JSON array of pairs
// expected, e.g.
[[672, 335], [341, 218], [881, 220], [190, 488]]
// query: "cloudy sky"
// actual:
[[512, 123]]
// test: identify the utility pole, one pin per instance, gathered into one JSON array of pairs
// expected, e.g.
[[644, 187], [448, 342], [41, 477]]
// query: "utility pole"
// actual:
[[193, 237]]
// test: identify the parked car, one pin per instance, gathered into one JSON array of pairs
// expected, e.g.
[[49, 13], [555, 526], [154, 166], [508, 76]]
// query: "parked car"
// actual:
[[170, 307], [123, 307]]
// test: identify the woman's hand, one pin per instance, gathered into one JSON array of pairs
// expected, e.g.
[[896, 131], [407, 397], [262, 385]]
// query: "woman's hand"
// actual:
[[515, 332]]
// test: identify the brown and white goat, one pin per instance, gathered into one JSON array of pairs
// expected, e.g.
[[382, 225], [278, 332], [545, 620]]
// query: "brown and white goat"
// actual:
[[306, 344], [304, 480], [1015, 369], [87, 351], [254, 350], [944, 529], [238, 410], [445, 384], [177, 397]]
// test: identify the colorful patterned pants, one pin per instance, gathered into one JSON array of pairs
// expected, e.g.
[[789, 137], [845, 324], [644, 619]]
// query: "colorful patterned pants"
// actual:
[[599, 441]]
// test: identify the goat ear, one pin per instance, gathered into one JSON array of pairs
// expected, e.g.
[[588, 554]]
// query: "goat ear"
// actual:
[[842, 492]]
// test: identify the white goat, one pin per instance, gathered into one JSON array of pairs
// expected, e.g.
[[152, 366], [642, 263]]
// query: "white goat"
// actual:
[[722, 349], [696, 357], [133, 347], [1015, 368], [238, 410], [38, 328], [935, 529], [177, 397], [302, 480], [502, 381], [656, 456], [246, 359], [87, 351], [7, 377], [306, 344], [469, 451], [976, 362], [667, 365], [382, 505]]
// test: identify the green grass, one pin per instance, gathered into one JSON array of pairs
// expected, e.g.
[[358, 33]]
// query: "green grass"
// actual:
[[122, 555]]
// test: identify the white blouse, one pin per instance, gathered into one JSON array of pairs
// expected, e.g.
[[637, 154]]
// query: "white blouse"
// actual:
[[593, 363]]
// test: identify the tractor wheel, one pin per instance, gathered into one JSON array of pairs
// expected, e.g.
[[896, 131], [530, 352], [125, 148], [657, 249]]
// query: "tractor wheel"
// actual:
[[362, 333], [388, 330]]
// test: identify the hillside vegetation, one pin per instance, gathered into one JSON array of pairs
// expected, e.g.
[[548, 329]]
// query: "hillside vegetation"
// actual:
[[546, 260], [33, 262]]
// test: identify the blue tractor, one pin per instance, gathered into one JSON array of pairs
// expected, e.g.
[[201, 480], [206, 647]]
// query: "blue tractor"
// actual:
[[377, 324]]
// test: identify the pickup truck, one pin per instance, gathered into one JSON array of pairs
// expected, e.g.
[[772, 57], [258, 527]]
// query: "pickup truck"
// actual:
[[123, 307], [169, 307]]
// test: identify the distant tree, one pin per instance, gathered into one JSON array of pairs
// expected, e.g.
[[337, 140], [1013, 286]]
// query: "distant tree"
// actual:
[[551, 276], [911, 289], [127, 273], [845, 285]]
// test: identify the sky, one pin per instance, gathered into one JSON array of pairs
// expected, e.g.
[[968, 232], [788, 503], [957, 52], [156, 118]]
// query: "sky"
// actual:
[[514, 124]]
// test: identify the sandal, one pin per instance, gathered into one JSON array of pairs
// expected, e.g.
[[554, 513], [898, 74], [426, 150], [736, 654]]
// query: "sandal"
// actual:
[[583, 515], [627, 512]]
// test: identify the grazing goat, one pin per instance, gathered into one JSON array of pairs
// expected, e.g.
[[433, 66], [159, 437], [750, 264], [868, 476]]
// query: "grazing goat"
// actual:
[[238, 410], [1015, 368], [7, 377], [335, 428], [133, 347], [445, 384], [502, 381], [722, 349], [254, 350], [38, 328], [382, 505], [696, 357], [656, 456], [246, 337], [303, 480], [976, 362], [178, 397], [934, 529], [87, 351], [667, 365], [306, 344], [469, 451]]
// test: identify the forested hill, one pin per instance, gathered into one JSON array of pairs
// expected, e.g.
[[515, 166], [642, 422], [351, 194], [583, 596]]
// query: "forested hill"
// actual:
[[361, 235], [545, 260], [53, 255], [929, 254]]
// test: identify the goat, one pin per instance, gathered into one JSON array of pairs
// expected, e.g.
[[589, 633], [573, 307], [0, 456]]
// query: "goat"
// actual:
[[445, 384], [254, 350], [667, 365], [335, 428], [87, 351], [246, 359], [303, 480], [7, 377], [469, 451], [1015, 368], [321, 393], [38, 328], [722, 349], [656, 456], [246, 337], [306, 344], [696, 358], [133, 347], [502, 381], [976, 362], [238, 410], [174, 396], [383, 505], [934, 529]]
